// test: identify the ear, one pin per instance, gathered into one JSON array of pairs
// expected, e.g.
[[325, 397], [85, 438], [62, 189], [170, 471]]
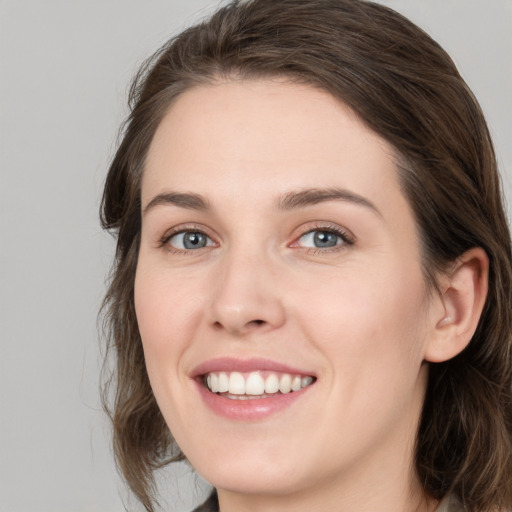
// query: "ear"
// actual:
[[455, 318]]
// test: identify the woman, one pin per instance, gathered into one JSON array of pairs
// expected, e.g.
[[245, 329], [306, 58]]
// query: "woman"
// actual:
[[310, 299]]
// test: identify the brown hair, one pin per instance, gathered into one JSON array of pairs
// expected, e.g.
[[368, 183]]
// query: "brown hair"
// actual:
[[404, 86]]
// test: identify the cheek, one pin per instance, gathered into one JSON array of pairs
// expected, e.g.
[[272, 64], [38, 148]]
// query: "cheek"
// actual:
[[369, 319], [165, 310]]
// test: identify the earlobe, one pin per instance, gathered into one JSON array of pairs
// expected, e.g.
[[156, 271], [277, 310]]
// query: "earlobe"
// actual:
[[462, 299]]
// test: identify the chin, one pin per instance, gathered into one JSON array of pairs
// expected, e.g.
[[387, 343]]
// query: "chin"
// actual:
[[252, 481], [250, 471]]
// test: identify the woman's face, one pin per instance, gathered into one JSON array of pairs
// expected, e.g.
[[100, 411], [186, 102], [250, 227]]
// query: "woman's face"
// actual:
[[278, 251]]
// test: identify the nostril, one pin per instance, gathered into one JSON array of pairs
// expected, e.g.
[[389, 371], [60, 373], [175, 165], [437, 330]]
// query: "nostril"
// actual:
[[254, 323]]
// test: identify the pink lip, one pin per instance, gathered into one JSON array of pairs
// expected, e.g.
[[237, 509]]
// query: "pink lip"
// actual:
[[229, 364], [252, 409]]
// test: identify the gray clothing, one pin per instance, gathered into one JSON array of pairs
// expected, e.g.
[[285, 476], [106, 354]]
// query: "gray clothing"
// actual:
[[449, 504], [210, 505]]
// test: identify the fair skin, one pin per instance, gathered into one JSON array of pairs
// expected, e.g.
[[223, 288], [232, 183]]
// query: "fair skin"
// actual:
[[242, 270]]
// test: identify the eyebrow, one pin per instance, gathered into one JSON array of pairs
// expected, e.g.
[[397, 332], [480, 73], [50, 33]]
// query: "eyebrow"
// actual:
[[312, 196], [183, 200], [289, 201]]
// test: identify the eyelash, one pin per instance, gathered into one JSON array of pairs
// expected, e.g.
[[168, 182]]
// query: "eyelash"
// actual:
[[164, 241], [346, 237]]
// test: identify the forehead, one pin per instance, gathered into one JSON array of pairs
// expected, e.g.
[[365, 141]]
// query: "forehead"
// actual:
[[270, 134]]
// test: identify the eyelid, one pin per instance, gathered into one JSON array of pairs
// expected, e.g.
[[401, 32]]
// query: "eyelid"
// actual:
[[346, 235], [184, 228]]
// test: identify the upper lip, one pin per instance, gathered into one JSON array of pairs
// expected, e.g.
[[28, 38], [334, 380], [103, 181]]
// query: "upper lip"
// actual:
[[230, 364]]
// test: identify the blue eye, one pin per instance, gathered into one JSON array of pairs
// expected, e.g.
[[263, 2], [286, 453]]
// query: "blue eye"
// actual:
[[187, 240], [321, 239]]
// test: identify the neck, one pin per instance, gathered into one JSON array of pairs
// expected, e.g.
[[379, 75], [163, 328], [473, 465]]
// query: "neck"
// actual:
[[311, 502]]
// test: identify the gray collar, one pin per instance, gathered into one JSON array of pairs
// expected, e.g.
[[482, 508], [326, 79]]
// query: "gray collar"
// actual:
[[450, 504]]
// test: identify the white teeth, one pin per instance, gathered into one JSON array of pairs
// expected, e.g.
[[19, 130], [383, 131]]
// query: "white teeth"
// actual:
[[285, 384], [223, 383], [272, 383], [236, 384], [253, 384], [214, 382]]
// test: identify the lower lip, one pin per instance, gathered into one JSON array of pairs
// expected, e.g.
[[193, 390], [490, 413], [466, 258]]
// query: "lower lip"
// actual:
[[251, 409]]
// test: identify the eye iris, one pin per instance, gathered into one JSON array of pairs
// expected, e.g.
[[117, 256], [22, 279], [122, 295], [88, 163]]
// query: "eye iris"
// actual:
[[325, 239], [193, 240]]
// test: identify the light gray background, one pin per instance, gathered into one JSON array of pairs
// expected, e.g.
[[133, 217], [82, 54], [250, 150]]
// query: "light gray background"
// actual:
[[64, 71]]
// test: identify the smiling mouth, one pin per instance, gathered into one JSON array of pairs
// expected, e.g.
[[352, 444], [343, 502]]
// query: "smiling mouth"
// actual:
[[255, 385]]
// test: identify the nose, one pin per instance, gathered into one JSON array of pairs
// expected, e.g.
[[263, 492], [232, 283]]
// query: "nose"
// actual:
[[246, 297]]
